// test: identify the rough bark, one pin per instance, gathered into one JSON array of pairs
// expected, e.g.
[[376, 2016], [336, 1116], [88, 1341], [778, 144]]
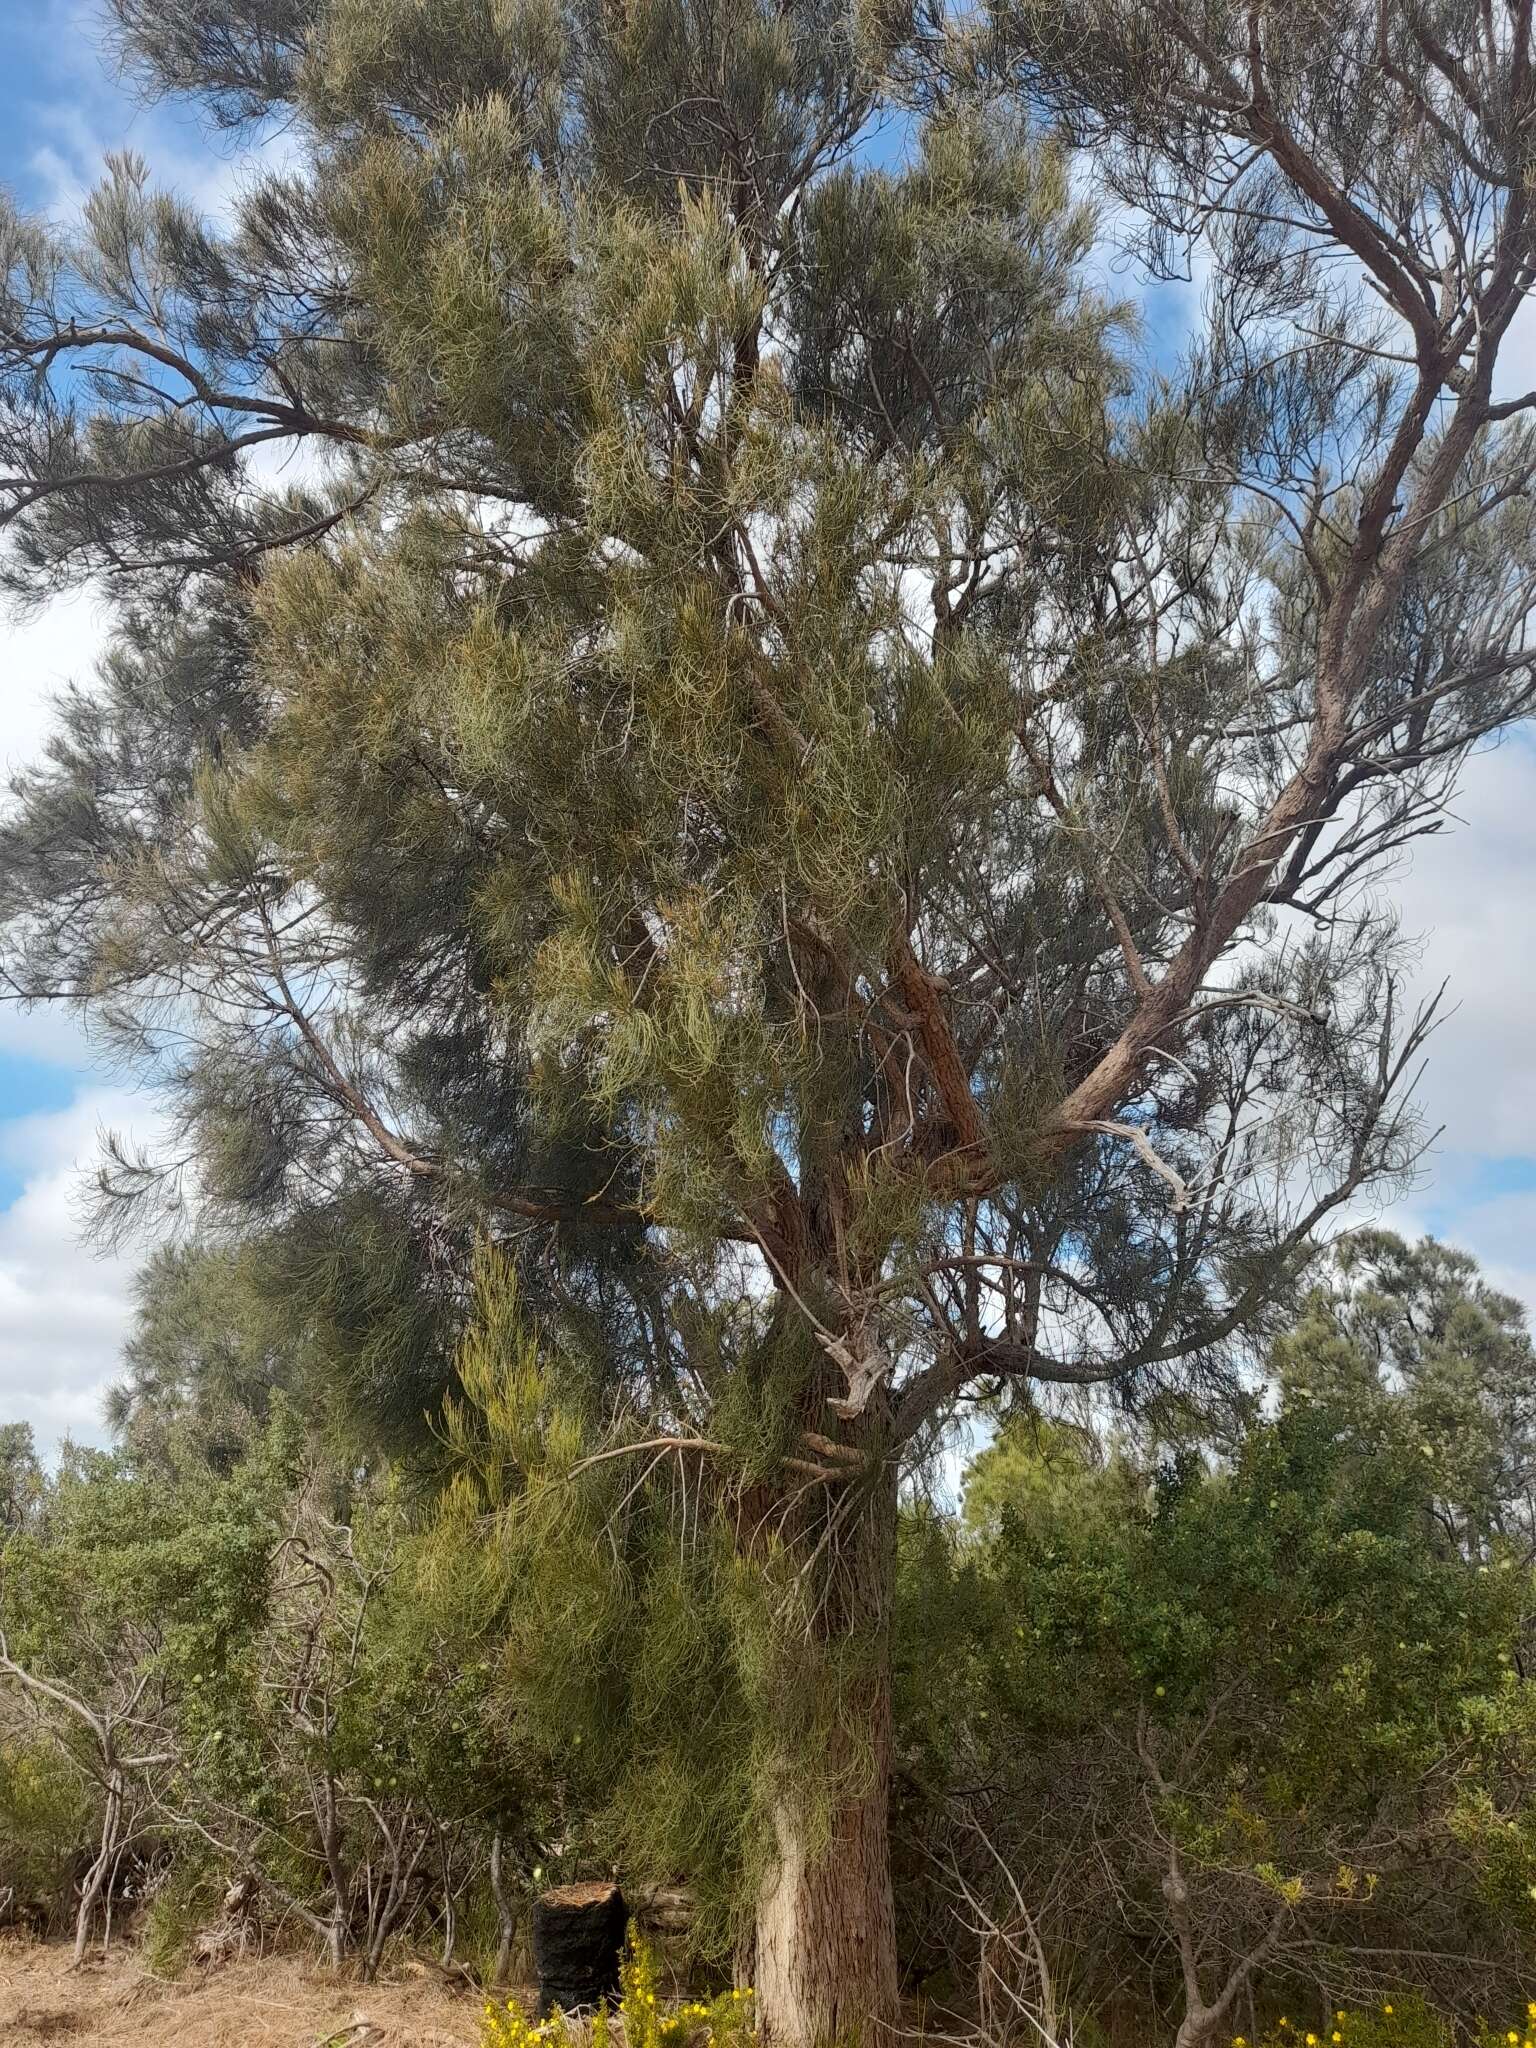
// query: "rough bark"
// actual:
[[826, 1934]]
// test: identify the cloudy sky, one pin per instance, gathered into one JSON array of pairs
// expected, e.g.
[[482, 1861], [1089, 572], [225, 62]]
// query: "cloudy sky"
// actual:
[[63, 1311]]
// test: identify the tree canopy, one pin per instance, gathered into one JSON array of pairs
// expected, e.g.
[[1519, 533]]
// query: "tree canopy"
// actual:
[[689, 706]]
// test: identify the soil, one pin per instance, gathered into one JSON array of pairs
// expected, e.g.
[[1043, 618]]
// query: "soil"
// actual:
[[259, 2002]]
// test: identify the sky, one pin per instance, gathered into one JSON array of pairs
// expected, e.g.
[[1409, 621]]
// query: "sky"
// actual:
[[64, 1312], [1470, 894]]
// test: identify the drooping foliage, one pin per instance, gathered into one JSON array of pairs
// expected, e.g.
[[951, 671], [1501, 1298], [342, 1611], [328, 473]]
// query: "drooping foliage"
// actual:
[[691, 705], [732, 554], [1263, 1698]]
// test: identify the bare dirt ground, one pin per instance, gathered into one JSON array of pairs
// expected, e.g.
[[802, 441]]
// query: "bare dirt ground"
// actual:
[[270, 2002]]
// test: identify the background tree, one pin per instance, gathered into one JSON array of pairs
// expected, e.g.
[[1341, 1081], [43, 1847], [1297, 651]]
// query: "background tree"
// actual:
[[21, 1476], [1251, 1732], [757, 765], [339, 1757], [110, 1607], [239, 1678], [1415, 1332]]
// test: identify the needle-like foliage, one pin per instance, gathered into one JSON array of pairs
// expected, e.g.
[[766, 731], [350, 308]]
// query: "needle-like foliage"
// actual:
[[685, 702]]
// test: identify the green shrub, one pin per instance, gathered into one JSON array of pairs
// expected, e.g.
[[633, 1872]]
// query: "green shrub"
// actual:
[[1404, 2021], [191, 1896], [644, 2019], [46, 1819], [1519, 2033]]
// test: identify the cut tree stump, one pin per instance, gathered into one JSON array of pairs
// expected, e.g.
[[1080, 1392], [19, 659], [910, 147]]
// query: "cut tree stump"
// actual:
[[578, 1939], [667, 1909]]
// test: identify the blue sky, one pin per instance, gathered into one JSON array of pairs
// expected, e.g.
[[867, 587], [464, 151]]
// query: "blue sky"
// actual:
[[56, 101], [64, 1312], [63, 105]]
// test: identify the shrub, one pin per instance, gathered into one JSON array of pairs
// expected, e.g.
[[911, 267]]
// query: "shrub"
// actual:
[[46, 1821], [1522, 2034], [190, 1897], [1404, 2021], [643, 2019]]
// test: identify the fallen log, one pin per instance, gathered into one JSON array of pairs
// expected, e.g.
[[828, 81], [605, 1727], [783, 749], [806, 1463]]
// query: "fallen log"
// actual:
[[667, 1909]]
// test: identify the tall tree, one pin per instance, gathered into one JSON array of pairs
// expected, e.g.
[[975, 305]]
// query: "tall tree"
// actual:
[[752, 760], [1417, 1331]]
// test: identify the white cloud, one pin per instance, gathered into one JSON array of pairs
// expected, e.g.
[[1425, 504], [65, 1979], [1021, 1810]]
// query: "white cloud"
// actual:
[[1469, 896], [95, 113], [45, 1032], [43, 655], [1499, 1230], [1471, 893], [63, 1312]]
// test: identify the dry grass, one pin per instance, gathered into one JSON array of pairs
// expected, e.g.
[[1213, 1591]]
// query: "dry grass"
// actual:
[[270, 2002]]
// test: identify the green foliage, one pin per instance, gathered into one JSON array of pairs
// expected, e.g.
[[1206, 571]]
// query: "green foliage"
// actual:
[[1405, 2020], [46, 1811], [21, 1477], [1410, 1341], [726, 2021], [1297, 1659], [566, 1569], [720, 872], [1300, 1661], [381, 1743], [262, 1676], [187, 1901], [718, 599], [132, 1579]]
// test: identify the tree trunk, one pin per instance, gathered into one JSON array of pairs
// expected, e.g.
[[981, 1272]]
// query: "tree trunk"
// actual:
[[330, 1842], [826, 1929], [1196, 2028], [97, 1876], [826, 1935], [506, 1917]]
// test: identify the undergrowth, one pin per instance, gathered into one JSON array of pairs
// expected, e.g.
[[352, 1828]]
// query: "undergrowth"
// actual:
[[642, 2019], [1408, 2021]]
